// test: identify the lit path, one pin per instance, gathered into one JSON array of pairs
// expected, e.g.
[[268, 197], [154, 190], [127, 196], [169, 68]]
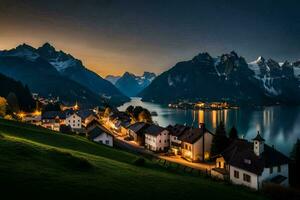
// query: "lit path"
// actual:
[[179, 160], [174, 159], [133, 146]]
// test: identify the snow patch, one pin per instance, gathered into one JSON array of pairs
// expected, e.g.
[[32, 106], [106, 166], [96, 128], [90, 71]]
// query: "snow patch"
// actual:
[[25, 53], [267, 83], [255, 68], [170, 82], [62, 65], [296, 72], [216, 63]]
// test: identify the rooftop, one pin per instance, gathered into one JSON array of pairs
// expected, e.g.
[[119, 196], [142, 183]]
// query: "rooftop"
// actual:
[[240, 154], [96, 131], [154, 130], [138, 127], [259, 137]]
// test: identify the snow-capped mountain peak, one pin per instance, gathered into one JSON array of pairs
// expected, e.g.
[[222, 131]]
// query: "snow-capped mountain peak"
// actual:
[[22, 51], [260, 59], [60, 60], [131, 84]]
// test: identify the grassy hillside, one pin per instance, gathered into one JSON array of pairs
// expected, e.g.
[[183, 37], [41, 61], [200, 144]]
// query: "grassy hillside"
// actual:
[[45, 164]]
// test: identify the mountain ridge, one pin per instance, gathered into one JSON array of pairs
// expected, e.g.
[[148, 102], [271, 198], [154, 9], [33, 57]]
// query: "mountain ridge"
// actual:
[[57, 73], [131, 84], [226, 78]]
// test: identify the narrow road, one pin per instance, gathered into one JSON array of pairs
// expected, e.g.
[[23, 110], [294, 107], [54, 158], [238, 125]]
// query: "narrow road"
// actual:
[[134, 147]]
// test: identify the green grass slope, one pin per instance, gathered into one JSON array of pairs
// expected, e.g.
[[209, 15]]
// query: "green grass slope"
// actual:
[[44, 165]]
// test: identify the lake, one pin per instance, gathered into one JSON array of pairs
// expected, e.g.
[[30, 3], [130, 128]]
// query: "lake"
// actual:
[[279, 125]]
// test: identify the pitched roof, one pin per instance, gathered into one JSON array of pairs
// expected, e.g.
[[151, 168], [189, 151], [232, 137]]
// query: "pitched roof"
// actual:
[[94, 122], [240, 154], [96, 131], [119, 115], [177, 130], [154, 130], [53, 115], [85, 113], [192, 135], [138, 127], [278, 179], [259, 138]]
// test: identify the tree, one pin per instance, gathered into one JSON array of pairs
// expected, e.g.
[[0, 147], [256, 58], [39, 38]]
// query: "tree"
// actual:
[[130, 109], [220, 140], [295, 164], [136, 111], [295, 154], [52, 107], [13, 102], [107, 112], [233, 133], [145, 116], [3, 105]]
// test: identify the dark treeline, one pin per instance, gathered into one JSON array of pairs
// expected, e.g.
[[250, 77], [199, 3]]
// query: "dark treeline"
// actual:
[[139, 113], [17, 95]]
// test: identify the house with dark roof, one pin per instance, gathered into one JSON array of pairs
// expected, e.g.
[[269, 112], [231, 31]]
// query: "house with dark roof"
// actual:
[[119, 121], [74, 121], [196, 143], [121, 126], [86, 116], [78, 119], [157, 138], [175, 132], [101, 135], [137, 132], [53, 119], [252, 164]]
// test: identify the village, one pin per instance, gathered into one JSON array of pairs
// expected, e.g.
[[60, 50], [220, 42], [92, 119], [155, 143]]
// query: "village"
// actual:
[[249, 163]]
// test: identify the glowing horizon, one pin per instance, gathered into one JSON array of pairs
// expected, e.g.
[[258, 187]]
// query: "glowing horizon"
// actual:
[[112, 37]]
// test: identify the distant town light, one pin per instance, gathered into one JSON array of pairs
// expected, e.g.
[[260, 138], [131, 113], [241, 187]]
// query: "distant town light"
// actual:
[[21, 114], [37, 113]]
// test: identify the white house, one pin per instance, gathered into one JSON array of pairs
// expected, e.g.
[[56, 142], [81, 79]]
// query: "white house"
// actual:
[[74, 121], [156, 138], [176, 132], [101, 135], [53, 120], [252, 164], [196, 144]]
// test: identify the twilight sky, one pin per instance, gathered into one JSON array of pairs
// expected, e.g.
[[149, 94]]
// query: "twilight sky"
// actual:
[[114, 36]]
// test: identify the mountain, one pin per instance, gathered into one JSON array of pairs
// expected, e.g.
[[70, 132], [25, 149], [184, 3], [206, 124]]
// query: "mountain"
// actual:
[[50, 72], [22, 93], [227, 78], [131, 84], [113, 79], [72, 68]]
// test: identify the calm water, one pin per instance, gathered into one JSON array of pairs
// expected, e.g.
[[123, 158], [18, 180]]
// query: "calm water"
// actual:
[[280, 125]]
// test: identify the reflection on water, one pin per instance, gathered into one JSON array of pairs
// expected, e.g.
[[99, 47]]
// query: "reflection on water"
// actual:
[[280, 125]]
